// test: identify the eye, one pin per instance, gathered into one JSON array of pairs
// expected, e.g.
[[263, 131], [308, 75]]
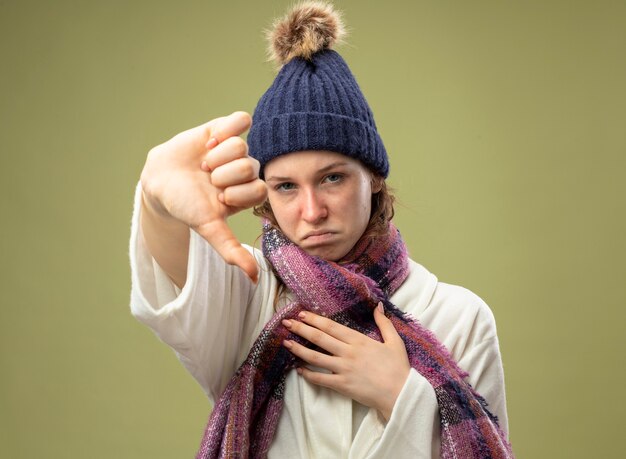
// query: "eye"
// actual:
[[285, 186], [333, 178]]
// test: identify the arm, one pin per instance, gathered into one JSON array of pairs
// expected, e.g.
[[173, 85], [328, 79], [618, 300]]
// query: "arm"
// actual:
[[484, 364], [167, 239], [183, 284], [211, 321], [466, 326]]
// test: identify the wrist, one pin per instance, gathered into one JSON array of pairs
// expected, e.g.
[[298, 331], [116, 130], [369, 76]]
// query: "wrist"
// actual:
[[389, 402], [386, 414], [155, 219], [154, 208]]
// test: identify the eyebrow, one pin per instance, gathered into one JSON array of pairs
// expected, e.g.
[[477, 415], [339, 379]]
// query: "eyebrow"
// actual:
[[275, 178]]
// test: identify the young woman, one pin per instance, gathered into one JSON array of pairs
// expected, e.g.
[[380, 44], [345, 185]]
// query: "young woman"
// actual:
[[331, 342]]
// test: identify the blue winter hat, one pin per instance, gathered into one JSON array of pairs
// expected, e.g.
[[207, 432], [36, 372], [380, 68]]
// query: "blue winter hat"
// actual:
[[315, 102]]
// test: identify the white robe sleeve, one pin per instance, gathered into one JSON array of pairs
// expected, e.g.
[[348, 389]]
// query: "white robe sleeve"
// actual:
[[211, 321], [488, 378]]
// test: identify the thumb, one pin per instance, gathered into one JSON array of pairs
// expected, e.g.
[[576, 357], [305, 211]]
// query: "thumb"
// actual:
[[222, 239], [387, 330]]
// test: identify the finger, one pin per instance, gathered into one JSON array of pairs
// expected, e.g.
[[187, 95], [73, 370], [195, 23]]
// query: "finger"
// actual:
[[330, 327], [387, 330], [318, 378], [236, 172], [315, 336], [245, 195], [212, 143], [208, 135], [227, 151], [222, 128], [315, 358], [219, 235]]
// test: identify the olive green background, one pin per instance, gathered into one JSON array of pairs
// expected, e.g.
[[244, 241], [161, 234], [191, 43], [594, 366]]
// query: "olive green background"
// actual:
[[505, 123]]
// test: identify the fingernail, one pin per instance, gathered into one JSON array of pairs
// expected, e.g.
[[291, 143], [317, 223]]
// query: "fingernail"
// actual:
[[299, 370], [287, 344], [212, 143], [381, 309], [302, 315], [287, 323], [205, 167]]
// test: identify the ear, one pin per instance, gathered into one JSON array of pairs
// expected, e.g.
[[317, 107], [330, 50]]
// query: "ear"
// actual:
[[377, 183]]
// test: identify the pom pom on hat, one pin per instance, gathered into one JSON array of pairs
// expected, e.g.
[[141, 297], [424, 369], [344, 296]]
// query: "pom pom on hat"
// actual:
[[310, 27]]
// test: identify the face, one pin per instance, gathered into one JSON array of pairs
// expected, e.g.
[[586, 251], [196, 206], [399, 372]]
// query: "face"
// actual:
[[321, 200]]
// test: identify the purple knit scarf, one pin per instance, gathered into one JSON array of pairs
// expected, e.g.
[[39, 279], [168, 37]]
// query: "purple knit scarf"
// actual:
[[245, 417]]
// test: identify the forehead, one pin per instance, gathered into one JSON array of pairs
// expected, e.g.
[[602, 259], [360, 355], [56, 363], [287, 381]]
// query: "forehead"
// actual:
[[308, 162]]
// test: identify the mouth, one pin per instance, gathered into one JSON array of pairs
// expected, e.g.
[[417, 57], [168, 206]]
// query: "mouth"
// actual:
[[318, 237]]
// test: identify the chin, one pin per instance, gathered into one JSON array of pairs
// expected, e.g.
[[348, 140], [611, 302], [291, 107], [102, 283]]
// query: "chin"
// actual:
[[326, 253]]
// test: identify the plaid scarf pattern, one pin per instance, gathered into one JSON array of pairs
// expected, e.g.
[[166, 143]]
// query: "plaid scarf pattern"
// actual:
[[245, 417]]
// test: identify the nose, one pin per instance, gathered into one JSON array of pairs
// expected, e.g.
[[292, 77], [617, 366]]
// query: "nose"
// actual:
[[314, 208]]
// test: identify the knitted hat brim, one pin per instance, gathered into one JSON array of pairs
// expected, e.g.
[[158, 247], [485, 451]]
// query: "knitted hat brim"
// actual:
[[293, 132]]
